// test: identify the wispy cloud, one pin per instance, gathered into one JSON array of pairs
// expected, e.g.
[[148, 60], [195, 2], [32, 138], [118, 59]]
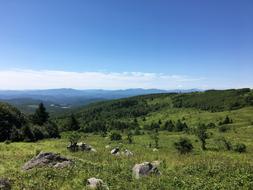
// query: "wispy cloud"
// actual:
[[46, 79]]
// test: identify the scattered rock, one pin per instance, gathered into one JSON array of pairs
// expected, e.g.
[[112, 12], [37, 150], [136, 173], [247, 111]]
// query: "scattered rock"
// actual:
[[5, 184], [93, 150], [115, 151], [72, 147], [47, 159], [127, 153], [81, 146], [145, 169], [94, 183], [84, 147]]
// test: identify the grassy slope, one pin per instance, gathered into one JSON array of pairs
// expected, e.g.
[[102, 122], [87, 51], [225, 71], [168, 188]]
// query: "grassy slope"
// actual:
[[211, 169], [199, 170]]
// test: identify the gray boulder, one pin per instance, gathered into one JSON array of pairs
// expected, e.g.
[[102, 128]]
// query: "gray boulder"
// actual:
[[145, 169], [94, 183], [47, 159], [5, 184]]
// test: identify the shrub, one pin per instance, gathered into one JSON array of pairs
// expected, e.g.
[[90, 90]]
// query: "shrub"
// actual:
[[202, 134], [183, 146], [115, 136], [154, 136], [7, 142], [224, 143], [240, 147], [137, 132], [74, 138], [227, 120], [223, 128], [130, 137], [169, 125]]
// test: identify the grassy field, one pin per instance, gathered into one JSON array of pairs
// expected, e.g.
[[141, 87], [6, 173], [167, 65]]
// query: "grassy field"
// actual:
[[211, 169]]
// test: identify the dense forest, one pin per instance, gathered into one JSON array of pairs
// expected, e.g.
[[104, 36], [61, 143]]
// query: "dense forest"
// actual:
[[15, 126]]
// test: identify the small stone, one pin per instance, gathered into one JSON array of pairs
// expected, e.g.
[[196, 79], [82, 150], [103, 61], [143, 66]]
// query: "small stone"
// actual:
[[127, 153], [115, 151], [94, 183], [5, 184]]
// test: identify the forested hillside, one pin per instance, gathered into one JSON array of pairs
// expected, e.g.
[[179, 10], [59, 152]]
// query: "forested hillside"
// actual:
[[143, 110], [16, 126]]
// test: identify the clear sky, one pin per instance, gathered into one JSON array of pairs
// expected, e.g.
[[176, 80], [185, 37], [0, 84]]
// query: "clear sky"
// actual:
[[116, 44]]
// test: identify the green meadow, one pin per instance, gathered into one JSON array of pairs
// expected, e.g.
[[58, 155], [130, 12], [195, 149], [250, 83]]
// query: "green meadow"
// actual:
[[220, 166], [215, 168]]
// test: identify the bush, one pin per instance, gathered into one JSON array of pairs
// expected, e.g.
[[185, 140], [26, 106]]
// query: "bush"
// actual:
[[240, 147], [115, 136], [223, 128], [130, 137], [74, 137], [224, 143], [183, 146], [202, 135]]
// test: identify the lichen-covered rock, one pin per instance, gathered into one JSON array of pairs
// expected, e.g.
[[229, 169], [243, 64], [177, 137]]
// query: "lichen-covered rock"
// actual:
[[94, 183], [5, 184], [47, 159], [145, 169]]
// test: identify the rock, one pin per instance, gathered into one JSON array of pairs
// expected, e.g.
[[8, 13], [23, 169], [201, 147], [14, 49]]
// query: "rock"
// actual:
[[84, 147], [94, 183], [72, 147], [115, 151], [62, 164], [47, 159], [93, 150], [127, 153], [155, 150], [5, 184], [156, 163], [145, 169]]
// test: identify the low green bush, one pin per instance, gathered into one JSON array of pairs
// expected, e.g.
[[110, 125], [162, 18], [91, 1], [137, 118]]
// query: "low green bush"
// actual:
[[115, 136], [240, 147], [183, 146]]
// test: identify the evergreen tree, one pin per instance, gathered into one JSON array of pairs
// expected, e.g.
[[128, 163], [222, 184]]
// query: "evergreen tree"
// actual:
[[202, 134], [40, 116], [27, 133], [73, 124], [130, 137]]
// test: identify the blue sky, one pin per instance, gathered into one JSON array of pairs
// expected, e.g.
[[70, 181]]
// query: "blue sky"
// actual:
[[153, 43]]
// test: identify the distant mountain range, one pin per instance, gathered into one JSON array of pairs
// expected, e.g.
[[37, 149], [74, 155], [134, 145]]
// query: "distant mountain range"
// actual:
[[62, 99]]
